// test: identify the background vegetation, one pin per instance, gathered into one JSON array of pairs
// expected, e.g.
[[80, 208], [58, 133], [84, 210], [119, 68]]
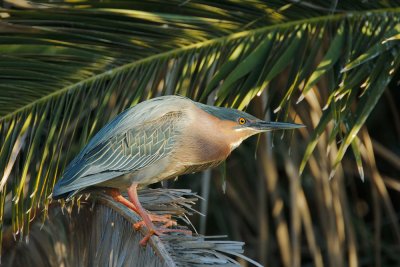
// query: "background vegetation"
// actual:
[[296, 199]]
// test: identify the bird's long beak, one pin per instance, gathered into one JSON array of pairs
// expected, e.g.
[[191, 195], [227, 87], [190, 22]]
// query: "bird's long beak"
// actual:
[[265, 126]]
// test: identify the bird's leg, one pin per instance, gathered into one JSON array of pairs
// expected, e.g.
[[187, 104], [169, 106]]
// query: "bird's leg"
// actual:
[[148, 218], [133, 196], [116, 195], [166, 218]]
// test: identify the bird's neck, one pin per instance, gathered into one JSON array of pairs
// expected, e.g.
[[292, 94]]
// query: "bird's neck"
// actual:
[[209, 139]]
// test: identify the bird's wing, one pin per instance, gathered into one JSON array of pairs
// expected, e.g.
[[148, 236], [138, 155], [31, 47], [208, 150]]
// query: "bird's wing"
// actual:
[[121, 153]]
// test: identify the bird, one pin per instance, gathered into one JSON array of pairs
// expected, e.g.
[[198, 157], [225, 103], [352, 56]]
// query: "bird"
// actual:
[[156, 140]]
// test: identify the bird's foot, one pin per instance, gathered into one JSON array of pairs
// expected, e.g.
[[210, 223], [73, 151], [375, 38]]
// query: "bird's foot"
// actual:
[[161, 231], [148, 219], [165, 219]]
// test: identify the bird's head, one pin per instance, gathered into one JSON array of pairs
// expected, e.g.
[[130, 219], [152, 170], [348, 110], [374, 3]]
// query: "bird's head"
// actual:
[[240, 125]]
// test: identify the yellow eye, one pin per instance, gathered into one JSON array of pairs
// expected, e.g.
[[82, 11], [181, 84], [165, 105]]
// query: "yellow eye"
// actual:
[[242, 121]]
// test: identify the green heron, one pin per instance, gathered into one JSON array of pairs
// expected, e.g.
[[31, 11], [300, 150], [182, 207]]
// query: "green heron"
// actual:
[[155, 140]]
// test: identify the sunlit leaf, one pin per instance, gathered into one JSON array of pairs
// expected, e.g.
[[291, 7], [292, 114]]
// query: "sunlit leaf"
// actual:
[[367, 103], [330, 58]]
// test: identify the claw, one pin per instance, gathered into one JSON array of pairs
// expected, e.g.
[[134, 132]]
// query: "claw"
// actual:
[[166, 219], [169, 224], [146, 238], [160, 232], [138, 225]]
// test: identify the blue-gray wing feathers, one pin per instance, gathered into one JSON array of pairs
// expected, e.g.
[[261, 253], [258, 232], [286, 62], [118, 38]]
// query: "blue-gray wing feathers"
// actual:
[[118, 149]]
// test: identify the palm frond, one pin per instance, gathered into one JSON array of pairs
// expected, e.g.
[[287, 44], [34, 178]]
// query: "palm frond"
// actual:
[[93, 238]]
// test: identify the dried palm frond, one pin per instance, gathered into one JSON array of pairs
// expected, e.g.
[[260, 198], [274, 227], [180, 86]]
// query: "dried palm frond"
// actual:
[[100, 233]]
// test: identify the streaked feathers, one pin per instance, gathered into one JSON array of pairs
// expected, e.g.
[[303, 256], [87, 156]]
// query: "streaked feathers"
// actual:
[[123, 146]]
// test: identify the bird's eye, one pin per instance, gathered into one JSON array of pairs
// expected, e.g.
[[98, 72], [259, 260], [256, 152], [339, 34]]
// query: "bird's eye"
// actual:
[[242, 121]]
